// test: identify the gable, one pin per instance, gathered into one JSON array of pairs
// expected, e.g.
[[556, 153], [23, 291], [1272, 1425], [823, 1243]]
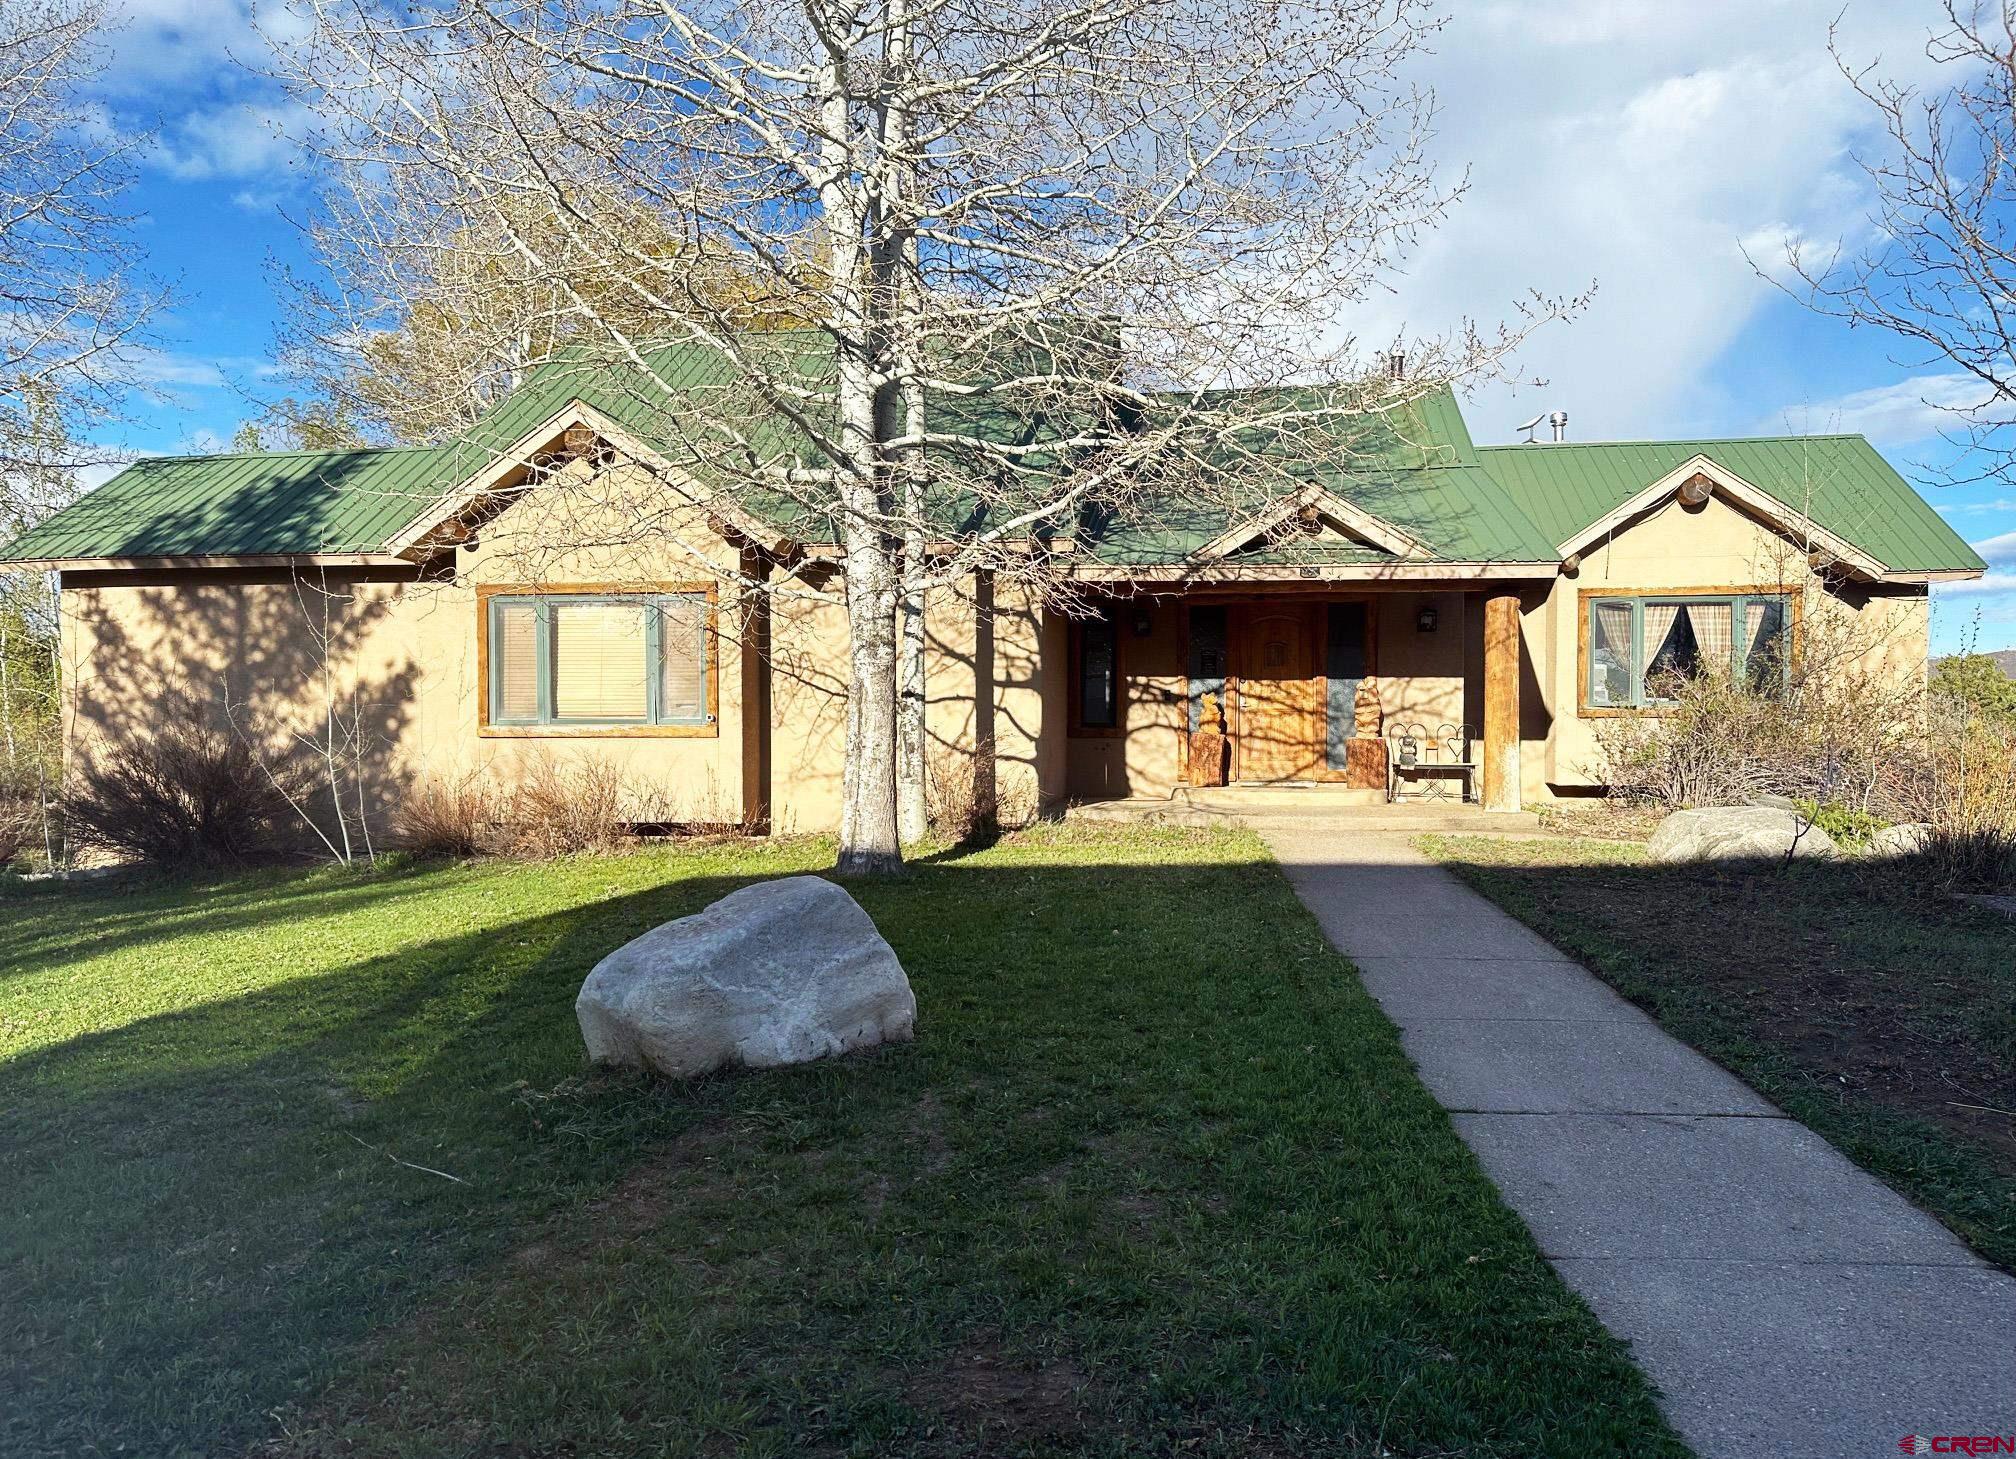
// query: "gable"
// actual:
[[1311, 518], [1835, 487]]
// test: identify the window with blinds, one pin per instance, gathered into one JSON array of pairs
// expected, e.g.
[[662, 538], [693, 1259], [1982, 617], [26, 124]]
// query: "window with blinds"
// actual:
[[618, 659], [1640, 648]]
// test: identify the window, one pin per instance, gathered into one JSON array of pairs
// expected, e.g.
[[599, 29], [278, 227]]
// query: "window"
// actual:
[[1098, 677], [598, 660], [1636, 645]]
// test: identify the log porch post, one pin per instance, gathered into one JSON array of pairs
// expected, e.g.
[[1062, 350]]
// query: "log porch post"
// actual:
[[1501, 702]]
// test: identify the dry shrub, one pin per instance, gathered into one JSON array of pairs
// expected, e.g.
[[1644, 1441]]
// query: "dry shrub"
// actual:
[[1959, 778], [20, 821], [188, 795], [454, 815], [560, 808], [967, 800], [955, 798], [550, 807], [1826, 736], [1862, 747]]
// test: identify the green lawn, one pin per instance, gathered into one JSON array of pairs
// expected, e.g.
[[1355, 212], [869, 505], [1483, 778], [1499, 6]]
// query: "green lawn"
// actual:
[[1881, 1015], [1155, 1177]]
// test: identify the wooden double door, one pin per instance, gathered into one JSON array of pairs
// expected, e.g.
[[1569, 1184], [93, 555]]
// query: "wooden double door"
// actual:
[[1280, 694]]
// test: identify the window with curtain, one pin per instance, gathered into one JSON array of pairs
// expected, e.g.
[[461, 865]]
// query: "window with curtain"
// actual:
[[1639, 647], [610, 660]]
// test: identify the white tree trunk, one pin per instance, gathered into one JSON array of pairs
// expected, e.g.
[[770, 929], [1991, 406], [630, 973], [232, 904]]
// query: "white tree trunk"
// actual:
[[869, 842], [913, 811]]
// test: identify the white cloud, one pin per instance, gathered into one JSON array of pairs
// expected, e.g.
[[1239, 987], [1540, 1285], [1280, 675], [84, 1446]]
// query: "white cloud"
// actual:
[[1638, 144], [1910, 410], [185, 44], [239, 140], [166, 369], [1999, 581], [2000, 504], [1999, 551]]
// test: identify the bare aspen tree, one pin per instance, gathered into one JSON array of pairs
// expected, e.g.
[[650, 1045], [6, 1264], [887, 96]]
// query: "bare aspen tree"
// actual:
[[1032, 243], [72, 300], [1941, 273]]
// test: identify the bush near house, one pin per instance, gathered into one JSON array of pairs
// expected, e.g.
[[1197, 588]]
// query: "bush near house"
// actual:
[[307, 1163], [186, 795], [1859, 750]]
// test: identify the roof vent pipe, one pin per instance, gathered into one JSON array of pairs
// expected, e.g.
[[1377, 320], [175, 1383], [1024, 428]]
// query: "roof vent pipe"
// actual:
[[1559, 421], [1396, 366]]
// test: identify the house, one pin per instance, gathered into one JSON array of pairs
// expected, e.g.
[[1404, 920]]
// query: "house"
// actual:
[[466, 604]]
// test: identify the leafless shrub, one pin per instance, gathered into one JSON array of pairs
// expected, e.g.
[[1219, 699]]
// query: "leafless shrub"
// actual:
[[187, 795], [962, 808], [559, 808], [448, 815], [1861, 742], [20, 821], [1828, 728], [1960, 780]]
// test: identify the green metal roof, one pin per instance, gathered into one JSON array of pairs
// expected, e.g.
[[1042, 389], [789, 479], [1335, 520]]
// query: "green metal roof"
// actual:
[[1414, 467], [1839, 481], [275, 503]]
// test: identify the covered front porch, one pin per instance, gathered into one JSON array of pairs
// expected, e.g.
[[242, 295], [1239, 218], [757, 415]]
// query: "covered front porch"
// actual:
[[1314, 688]]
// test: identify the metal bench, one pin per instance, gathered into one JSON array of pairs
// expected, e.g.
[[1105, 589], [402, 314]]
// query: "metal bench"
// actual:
[[1431, 761]]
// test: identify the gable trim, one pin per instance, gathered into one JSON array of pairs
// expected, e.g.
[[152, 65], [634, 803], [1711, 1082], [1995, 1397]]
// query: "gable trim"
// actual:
[[1751, 497], [412, 540], [1374, 529]]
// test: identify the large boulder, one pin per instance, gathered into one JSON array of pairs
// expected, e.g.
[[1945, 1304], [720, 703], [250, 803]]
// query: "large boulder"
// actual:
[[778, 973], [1737, 833]]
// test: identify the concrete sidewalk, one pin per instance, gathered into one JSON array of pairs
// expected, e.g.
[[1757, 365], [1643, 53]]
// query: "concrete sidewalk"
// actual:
[[1785, 1302]]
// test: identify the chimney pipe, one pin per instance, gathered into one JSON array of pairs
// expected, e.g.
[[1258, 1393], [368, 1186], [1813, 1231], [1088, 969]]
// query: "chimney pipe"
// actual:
[[1396, 366], [1559, 421]]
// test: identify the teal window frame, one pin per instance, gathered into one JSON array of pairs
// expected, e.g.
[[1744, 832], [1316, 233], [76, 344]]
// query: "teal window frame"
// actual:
[[1739, 611], [542, 605]]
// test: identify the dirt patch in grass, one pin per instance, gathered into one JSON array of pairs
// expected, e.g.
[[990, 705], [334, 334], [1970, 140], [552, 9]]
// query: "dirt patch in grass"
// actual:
[[982, 1396]]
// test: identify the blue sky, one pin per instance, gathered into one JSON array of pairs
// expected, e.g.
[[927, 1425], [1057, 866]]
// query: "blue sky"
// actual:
[[1635, 144]]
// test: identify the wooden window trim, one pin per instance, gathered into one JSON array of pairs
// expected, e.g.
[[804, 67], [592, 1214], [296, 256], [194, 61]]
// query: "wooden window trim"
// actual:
[[711, 729], [1587, 598], [1078, 729]]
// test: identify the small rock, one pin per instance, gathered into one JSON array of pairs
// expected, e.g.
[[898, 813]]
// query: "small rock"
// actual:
[[1737, 833], [779, 973], [1907, 839]]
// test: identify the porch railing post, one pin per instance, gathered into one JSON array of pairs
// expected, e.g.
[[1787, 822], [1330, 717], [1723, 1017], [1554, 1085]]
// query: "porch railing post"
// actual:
[[1501, 702]]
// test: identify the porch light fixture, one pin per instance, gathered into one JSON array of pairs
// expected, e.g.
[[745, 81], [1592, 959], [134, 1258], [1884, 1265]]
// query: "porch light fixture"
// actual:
[[1141, 622], [1426, 619]]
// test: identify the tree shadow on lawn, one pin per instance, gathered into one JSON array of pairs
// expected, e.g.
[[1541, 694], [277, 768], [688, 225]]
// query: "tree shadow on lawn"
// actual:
[[1156, 1164]]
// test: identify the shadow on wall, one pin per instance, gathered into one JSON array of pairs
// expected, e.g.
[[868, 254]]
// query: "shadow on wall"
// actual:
[[278, 660]]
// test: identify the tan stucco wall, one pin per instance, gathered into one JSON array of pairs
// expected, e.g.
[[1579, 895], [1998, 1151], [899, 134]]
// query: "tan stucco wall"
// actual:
[[1717, 546], [247, 646]]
